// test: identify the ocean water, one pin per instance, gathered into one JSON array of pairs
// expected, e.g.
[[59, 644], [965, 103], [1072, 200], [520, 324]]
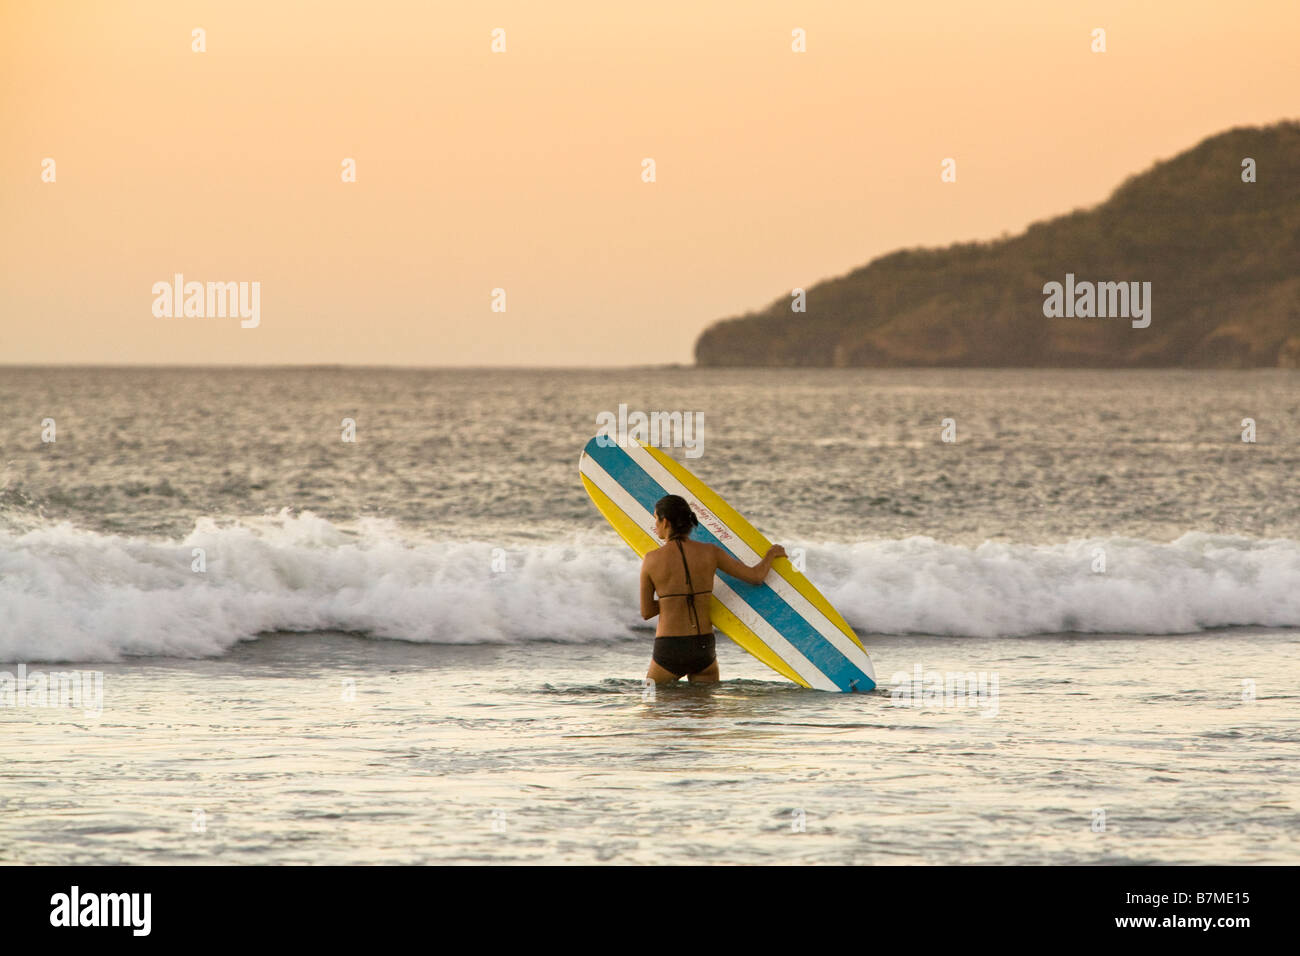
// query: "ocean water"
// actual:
[[424, 645]]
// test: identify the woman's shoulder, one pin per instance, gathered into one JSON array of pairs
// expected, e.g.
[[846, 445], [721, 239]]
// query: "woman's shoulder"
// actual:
[[706, 548]]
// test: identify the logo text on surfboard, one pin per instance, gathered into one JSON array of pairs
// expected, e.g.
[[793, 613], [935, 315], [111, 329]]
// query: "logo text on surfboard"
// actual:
[[711, 521]]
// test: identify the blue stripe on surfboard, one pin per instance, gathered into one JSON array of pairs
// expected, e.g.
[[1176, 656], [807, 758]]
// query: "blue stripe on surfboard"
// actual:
[[823, 655]]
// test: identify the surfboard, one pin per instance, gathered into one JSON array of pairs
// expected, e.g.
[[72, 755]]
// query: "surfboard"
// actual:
[[785, 622]]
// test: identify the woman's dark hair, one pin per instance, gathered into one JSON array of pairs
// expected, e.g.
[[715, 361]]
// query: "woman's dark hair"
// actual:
[[678, 513]]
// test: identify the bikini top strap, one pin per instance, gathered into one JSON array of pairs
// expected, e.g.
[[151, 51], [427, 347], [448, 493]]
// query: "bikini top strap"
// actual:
[[695, 615]]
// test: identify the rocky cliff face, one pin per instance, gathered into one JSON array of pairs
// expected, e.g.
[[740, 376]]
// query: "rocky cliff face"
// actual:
[[1222, 257]]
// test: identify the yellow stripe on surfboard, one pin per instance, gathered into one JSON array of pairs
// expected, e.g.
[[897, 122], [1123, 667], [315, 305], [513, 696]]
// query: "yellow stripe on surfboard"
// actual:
[[643, 542]]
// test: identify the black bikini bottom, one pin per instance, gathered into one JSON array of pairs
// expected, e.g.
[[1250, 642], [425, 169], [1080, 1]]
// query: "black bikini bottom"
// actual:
[[687, 654]]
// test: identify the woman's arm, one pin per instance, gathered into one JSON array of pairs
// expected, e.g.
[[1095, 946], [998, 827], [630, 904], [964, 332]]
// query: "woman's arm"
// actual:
[[754, 575], [649, 604]]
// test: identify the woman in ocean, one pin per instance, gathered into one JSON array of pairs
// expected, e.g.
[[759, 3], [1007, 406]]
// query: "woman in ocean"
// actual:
[[684, 641]]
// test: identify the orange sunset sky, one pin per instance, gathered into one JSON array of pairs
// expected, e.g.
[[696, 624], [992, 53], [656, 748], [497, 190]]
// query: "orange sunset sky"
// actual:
[[522, 170]]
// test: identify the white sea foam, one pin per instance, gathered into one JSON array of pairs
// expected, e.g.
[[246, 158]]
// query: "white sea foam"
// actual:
[[73, 595], [1199, 581]]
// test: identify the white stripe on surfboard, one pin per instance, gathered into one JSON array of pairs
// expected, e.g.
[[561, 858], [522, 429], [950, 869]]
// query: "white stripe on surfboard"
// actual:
[[800, 604], [729, 598]]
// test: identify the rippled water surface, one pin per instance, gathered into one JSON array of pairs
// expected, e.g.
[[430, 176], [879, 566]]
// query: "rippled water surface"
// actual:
[[484, 754], [424, 645]]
